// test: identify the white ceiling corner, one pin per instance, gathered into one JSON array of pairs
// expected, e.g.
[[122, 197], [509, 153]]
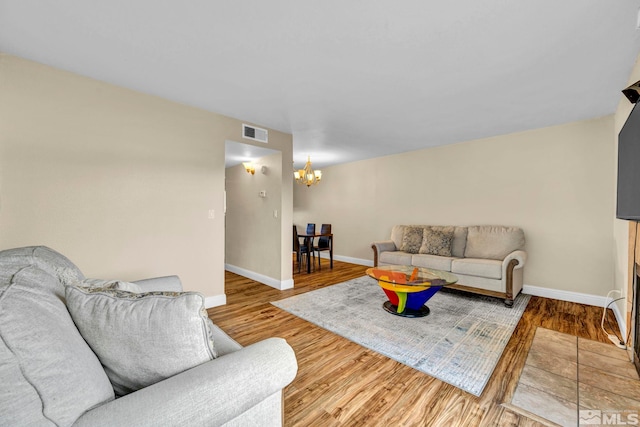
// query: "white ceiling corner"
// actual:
[[349, 80]]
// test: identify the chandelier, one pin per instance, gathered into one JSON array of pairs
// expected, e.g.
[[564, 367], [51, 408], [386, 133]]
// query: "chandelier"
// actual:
[[307, 175]]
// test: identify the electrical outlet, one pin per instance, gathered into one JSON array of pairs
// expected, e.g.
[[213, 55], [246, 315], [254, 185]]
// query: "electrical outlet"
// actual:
[[212, 214]]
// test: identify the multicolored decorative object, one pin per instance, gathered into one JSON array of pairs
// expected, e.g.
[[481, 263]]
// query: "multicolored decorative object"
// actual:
[[409, 288]]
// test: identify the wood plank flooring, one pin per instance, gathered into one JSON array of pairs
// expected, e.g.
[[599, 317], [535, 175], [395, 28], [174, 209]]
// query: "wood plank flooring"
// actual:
[[340, 383]]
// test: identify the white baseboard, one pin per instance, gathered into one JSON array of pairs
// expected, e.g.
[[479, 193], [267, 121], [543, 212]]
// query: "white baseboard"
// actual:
[[269, 281], [215, 301], [598, 301], [580, 298], [359, 261], [622, 321]]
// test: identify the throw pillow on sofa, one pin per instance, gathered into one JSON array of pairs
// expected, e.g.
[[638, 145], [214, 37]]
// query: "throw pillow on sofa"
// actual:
[[412, 240], [142, 338], [436, 242]]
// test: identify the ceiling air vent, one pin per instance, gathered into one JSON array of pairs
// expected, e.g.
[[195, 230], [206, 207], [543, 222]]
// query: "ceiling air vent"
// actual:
[[257, 134]]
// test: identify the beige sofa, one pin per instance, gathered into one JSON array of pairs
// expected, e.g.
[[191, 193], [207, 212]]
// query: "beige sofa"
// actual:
[[487, 259]]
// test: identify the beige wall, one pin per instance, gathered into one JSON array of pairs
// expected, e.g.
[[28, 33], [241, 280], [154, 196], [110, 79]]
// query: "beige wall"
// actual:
[[250, 218], [555, 183], [119, 181]]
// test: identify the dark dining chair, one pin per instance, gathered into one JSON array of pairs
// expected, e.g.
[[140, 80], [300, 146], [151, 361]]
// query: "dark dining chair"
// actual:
[[324, 242], [311, 229], [302, 252]]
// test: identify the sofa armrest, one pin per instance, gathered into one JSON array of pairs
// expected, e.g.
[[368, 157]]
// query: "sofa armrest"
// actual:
[[166, 283], [515, 260], [209, 394], [520, 256], [382, 246]]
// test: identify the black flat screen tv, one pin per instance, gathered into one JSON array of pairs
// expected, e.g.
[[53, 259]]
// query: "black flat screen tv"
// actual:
[[628, 197]]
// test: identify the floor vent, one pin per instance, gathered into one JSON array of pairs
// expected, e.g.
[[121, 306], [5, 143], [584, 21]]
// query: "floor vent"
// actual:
[[254, 133]]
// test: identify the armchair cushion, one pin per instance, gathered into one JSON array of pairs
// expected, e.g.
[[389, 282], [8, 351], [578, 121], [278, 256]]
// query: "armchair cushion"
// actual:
[[165, 283], [111, 284], [142, 338], [46, 259], [49, 374]]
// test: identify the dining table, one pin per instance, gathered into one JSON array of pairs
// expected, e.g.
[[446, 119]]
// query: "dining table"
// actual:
[[308, 244]]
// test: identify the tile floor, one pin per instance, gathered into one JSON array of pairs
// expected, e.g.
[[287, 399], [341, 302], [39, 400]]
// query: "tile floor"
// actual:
[[571, 381]]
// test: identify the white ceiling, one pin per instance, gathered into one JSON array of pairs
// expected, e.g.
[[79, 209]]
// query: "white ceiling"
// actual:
[[237, 152], [349, 79]]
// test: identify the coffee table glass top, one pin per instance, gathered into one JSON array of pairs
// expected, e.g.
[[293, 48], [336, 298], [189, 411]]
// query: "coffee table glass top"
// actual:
[[411, 276], [409, 288]]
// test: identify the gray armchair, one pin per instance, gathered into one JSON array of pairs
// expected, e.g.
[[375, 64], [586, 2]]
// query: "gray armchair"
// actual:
[[51, 377]]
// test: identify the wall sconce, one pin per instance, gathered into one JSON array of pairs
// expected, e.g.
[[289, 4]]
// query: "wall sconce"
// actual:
[[249, 167]]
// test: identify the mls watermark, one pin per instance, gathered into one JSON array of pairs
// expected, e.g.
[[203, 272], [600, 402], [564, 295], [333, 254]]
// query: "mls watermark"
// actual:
[[609, 418]]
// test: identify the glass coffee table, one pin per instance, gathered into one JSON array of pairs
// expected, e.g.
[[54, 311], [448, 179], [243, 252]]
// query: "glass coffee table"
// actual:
[[409, 288]]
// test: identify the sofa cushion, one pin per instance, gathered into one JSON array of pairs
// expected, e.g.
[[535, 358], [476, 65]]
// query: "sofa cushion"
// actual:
[[459, 242], [493, 242], [479, 282], [432, 261], [47, 369], [489, 268], [395, 258], [412, 239], [436, 242], [142, 338], [397, 233]]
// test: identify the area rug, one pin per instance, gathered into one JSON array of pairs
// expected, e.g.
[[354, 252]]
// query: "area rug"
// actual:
[[460, 342]]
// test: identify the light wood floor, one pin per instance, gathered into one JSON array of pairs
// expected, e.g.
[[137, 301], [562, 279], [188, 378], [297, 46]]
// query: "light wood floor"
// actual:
[[340, 383]]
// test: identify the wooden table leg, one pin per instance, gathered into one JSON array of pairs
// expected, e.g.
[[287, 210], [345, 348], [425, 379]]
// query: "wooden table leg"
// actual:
[[308, 246], [331, 252]]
